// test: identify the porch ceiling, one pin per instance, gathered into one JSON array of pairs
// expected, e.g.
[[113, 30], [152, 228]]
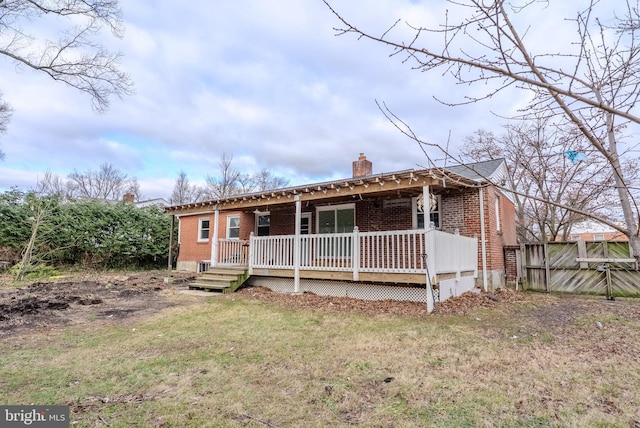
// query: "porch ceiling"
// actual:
[[406, 183]]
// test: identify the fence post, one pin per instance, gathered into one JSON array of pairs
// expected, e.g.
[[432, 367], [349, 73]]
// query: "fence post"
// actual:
[[547, 269]]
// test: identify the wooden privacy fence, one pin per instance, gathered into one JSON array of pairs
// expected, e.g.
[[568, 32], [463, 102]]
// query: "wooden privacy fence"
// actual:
[[604, 267]]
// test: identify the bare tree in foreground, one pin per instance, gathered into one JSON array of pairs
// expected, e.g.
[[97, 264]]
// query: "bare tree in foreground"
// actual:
[[71, 54], [536, 159], [591, 83]]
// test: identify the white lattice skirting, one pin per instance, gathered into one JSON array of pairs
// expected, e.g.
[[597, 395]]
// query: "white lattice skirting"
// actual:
[[448, 288], [342, 289]]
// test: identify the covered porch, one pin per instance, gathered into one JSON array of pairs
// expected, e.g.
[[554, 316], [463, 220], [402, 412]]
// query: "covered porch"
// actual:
[[427, 258], [419, 230]]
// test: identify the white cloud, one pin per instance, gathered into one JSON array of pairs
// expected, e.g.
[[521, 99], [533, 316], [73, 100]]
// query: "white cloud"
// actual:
[[266, 82]]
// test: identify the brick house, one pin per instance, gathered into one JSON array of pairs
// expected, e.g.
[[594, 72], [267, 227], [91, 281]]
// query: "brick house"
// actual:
[[363, 230]]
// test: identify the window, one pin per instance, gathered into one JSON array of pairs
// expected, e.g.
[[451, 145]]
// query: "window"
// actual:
[[305, 223], [598, 237], [233, 227], [203, 229], [434, 216], [336, 219], [263, 221], [575, 238], [498, 226]]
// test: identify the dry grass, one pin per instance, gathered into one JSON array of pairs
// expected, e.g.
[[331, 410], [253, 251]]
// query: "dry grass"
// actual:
[[235, 361]]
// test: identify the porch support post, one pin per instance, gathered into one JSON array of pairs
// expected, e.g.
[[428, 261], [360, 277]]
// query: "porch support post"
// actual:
[[214, 238], [296, 246], [429, 249]]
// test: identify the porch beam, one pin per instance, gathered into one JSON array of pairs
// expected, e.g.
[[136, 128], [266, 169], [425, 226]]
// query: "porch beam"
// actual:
[[311, 194]]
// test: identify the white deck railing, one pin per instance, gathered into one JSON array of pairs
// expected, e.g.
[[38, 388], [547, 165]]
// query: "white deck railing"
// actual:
[[233, 252], [390, 252]]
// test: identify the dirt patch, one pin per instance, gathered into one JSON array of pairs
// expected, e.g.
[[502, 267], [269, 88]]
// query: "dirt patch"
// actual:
[[458, 306], [104, 297], [80, 299]]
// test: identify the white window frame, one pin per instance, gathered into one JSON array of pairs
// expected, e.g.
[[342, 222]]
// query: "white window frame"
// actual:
[[305, 215], [201, 229], [498, 221], [334, 208], [414, 212], [575, 238], [257, 217], [228, 235], [598, 237]]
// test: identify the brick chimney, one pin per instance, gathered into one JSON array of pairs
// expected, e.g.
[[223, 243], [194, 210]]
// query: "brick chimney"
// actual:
[[128, 197], [362, 167]]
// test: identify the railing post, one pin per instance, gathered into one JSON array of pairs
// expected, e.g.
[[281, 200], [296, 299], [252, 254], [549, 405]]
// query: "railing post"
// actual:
[[355, 254], [252, 246]]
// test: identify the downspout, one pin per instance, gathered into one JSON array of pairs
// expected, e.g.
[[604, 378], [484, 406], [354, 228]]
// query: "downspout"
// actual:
[[214, 238], [296, 246], [429, 250], [483, 244]]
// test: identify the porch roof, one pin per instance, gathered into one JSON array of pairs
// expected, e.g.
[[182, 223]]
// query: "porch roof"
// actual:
[[409, 182]]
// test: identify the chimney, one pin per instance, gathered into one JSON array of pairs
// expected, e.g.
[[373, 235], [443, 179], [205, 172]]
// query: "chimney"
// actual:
[[128, 197], [362, 167]]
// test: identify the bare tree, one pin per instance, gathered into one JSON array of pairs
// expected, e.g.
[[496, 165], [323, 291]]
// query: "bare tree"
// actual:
[[132, 187], [591, 83], [265, 180], [539, 164], [226, 183], [53, 185], [71, 55], [260, 181], [183, 191], [5, 115], [108, 183]]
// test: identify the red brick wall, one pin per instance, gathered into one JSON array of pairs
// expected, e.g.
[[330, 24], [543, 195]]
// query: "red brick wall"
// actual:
[[511, 262], [190, 248]]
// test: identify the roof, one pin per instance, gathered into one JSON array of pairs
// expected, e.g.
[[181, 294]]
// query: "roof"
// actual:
[[493, 170], [161, 202], [470, 175]]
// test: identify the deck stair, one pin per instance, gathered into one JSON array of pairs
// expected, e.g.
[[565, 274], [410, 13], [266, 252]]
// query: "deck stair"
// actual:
[[221, 280]]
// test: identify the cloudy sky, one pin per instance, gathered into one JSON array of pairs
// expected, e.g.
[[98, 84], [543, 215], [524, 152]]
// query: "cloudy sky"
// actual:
[[267, 82]]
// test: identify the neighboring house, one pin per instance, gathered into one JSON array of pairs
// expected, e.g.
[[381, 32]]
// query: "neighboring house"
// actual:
[[364, 230], [159, 202], [130, 197], [593, 231]]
